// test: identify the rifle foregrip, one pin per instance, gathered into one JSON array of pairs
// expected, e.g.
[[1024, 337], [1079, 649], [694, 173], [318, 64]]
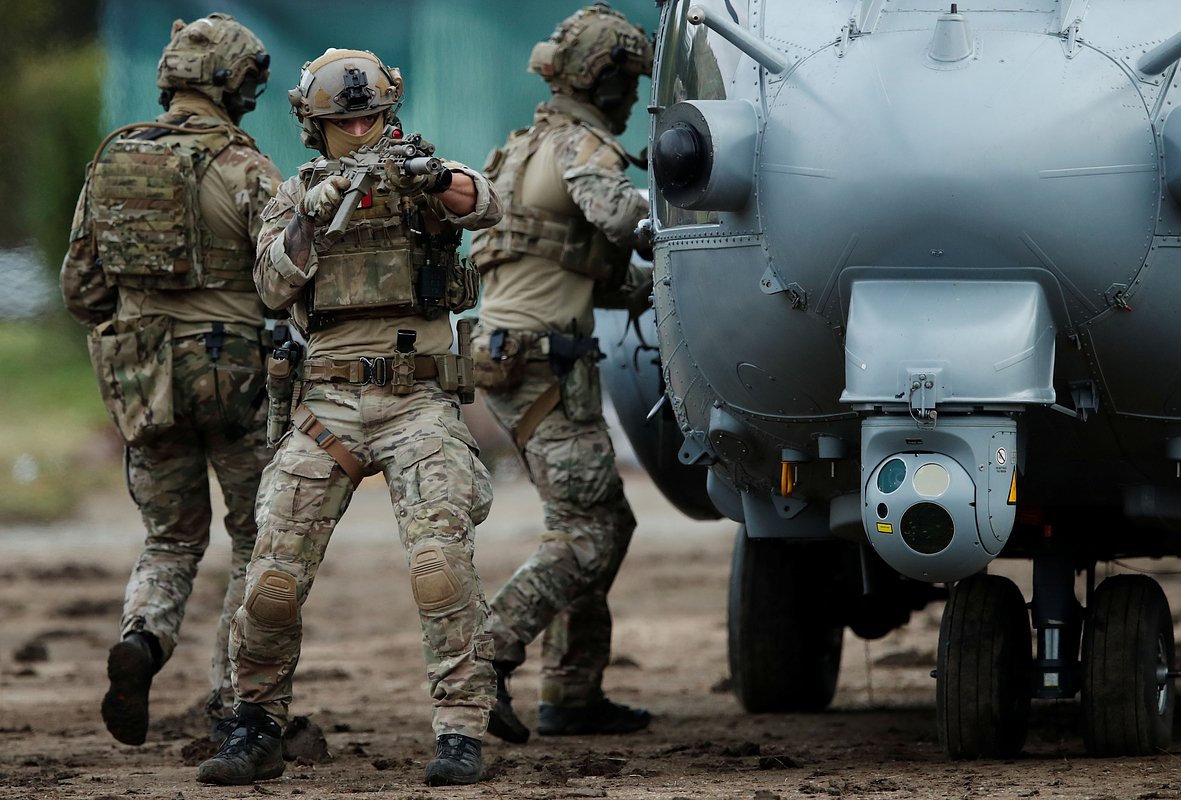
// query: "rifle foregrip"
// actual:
[[340, 221]]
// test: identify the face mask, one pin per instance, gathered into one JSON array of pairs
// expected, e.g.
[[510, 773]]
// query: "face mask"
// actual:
[[341, 143]]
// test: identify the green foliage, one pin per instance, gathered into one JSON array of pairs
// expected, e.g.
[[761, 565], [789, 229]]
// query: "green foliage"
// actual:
[[59, 132], [56, 442]]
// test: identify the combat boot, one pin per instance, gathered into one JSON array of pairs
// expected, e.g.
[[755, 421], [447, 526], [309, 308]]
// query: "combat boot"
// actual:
[[131, 664], [603, 717], [252, 751], [457, 761], [503, 722]]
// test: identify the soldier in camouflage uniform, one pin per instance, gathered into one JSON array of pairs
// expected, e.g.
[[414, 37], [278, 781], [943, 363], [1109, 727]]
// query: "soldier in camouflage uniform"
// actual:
[[380, 392], [563, 246], [159, 269]]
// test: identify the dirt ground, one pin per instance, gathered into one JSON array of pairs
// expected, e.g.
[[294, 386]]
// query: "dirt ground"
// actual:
[[361, 680]]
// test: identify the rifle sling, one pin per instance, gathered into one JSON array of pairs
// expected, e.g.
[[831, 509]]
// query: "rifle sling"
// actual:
[[545, 403], [306, 422]]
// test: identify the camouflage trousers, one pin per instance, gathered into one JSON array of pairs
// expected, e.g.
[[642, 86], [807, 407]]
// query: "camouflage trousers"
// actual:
[[439, 491], [219, 419], [562, 588]]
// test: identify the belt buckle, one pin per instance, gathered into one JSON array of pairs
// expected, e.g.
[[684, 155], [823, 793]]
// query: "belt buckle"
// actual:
[[374, 370]]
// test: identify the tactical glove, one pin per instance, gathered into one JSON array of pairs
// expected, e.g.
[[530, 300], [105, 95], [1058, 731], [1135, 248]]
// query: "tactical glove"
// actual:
[[413, 184], [323, 199]]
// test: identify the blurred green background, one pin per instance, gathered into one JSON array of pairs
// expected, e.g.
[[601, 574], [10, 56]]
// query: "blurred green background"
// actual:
[[76, 69]]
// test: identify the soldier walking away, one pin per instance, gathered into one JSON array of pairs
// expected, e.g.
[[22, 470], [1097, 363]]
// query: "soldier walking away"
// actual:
[[563, 247], [361, 246], [159, 269]]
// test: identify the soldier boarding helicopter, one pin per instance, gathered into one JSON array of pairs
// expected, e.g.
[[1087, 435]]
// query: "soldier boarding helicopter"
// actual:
[[914, 279]]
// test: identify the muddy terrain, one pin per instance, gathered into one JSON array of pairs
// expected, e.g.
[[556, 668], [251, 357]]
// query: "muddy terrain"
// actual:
[[361, 682]]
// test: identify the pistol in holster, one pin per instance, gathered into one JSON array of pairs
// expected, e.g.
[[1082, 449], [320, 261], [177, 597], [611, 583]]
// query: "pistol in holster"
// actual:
[[282, 368]]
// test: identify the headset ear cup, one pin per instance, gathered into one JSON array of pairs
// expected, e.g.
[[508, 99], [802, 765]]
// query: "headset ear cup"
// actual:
[[312, 136]]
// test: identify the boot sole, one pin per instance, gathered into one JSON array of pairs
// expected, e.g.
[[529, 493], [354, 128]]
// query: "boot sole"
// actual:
[[215, 776], [125, 705], [441, 777]]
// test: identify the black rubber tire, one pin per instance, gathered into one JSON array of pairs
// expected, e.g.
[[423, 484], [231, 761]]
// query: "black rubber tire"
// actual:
[[1127, 700], [982, 687], [784, 648]]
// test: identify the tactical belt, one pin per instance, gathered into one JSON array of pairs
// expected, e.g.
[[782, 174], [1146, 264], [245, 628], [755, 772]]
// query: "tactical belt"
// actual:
[[378, 370], [326, 440], [182, 330]]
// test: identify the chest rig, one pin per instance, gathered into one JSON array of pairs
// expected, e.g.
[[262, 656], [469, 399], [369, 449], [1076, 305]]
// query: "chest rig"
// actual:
[[387, 265], [144, 208], [575, 244]]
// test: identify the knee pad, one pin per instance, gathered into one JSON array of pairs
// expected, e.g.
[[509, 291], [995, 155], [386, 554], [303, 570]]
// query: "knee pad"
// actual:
[[433, 580], [272, 601]]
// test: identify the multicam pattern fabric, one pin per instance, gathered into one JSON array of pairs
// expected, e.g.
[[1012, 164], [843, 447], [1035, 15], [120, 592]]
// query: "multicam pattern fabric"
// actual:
[[134, 370], [439, 491], [372, 231], [218, 421], [575, 170], [562, 588], [594, 235], [179, 408], [143, 205]]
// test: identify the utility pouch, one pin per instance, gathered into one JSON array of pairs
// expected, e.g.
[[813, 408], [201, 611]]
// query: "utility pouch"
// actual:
[[281, 371], [134, 371], [575, 362], [498, 361]]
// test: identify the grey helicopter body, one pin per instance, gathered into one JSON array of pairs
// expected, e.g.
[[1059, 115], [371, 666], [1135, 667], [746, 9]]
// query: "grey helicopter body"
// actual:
[[915, 268]]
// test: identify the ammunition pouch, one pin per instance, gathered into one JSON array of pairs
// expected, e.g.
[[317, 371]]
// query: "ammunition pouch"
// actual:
[[134, 370], [500, 359], [575, 362]]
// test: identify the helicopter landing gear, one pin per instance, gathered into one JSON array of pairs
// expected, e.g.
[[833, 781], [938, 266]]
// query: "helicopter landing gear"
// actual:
[[785, 650], [1128, 667], [983, 668]]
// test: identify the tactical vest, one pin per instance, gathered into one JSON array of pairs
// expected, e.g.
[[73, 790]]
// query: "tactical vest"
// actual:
[[145, 213], [575, 244], [383, 267]]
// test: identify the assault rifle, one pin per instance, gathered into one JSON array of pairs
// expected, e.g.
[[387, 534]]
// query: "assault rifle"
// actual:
[[375, 167]]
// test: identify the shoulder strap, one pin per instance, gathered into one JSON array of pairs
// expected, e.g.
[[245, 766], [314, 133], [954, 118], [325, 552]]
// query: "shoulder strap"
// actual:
[[306, 422], [545, 403]]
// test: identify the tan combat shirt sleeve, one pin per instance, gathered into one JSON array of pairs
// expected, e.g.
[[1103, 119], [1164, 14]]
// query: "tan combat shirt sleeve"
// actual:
[[235, 190], [86, 294], [594, 172], [488, 210], [278, 280]]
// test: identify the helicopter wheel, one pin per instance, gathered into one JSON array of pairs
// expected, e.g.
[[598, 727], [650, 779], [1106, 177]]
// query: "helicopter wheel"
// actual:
[[1128, 694], [785, 651], [983, 670]]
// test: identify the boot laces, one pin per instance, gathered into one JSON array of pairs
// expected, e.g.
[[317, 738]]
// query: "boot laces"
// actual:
[[242, 733], [456, 748]]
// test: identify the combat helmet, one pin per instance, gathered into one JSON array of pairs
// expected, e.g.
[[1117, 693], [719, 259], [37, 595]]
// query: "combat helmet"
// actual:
[[220, 58], [342, 84], [588, 45]]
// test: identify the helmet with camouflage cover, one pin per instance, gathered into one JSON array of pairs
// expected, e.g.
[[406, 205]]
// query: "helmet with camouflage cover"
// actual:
[[220, 58], [341, 84], [590, 44]]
